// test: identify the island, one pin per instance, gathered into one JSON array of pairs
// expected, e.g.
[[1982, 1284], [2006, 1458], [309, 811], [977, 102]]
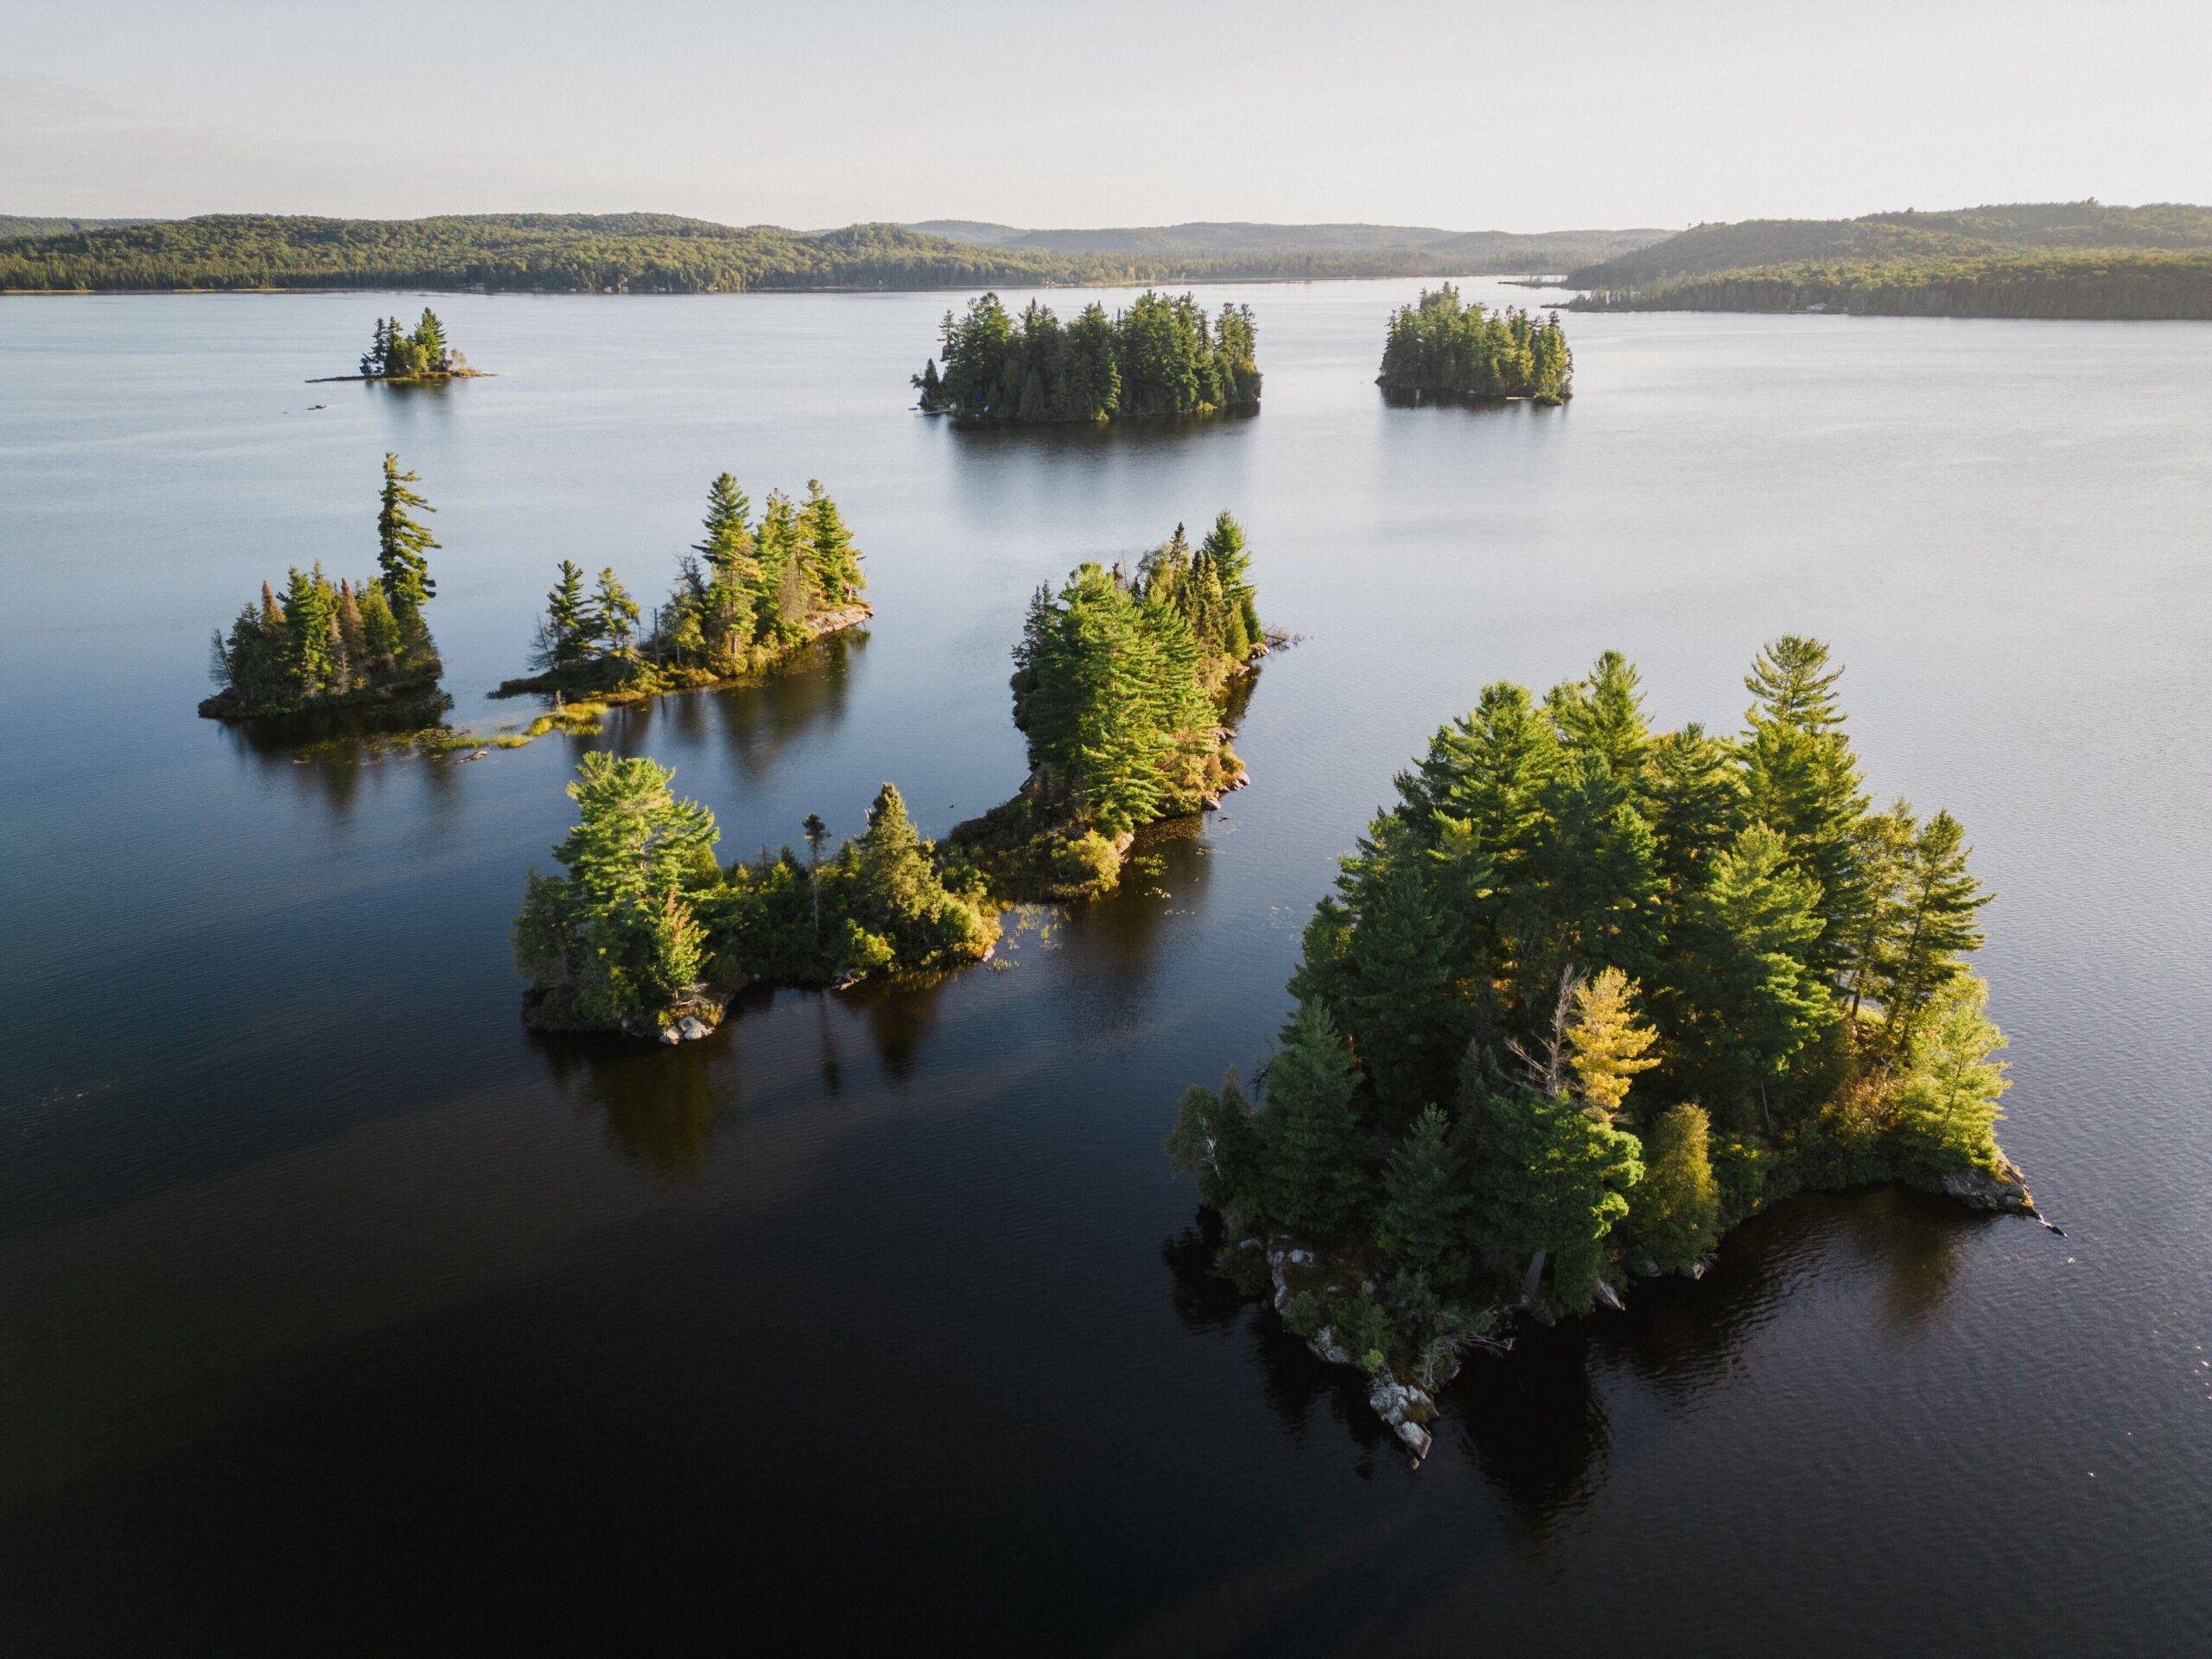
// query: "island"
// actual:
[[746, 597], [1441, 346], [1161, 357], [1586, 997], [647, 936], [425, 355], [354, 644], [1120, 684]]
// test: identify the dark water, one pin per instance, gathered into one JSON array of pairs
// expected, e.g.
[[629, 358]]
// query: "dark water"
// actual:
[[337, 1315]]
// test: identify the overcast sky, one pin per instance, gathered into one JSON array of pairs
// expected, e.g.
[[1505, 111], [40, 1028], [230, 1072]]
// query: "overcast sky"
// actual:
[[1587, 112]]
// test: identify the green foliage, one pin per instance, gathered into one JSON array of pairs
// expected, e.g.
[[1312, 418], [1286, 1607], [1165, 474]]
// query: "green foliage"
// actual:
[[1302, 1315], [1442, 345], [1675, 1208], [1315, 1181], [1572, 927], [645, 924], [1159, 357], [614, 943], [1215, 1140], [324, 646], [396, 355]]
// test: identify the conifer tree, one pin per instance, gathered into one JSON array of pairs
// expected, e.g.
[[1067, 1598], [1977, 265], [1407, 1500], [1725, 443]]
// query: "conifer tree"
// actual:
[[403, 546], [565, 636], [1695, 798], [1936, 922], [613, 615], [1675, 1210], [1217, 1140], [833, 560], [1314, 1180], [1947, 1100], [1397, 998], [1803, 781], [1607, 1042], [1422, 1219], [1549, 1180], [729, 607]]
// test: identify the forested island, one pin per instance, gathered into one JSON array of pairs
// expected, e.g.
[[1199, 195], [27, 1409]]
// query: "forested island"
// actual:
[[2043, 260], [646, 935], [1122, 686], [747, 595], [350, 645], [425, 354], [1159, 357], [1444, 347], [666, 253], [1586, 997], [1120, 683]]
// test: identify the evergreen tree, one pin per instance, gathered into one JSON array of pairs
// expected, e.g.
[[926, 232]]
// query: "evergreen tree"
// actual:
[[1802, 782], [1397, 1000], [613, 615], [403, 546], [565, 636], [1936, 922], [1695, 800], [1675, 1210], [1607, 1041], [728, 612], [1946, 1101], [833, 562], [1315, 1183], [1549, 1180], [1422, 1220], [1216, 1140]]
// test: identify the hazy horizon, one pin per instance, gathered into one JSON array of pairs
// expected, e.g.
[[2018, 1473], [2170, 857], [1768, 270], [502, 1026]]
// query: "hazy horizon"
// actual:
[[1615, 117]]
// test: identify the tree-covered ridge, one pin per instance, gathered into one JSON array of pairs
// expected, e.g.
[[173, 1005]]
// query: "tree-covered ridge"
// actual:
[[1444, 347], [1160, 356], [645, 932], [1587, 994], [321, 645], [1120, 685], [2139, 284], [662, 253], [425, 354], [745, 594]]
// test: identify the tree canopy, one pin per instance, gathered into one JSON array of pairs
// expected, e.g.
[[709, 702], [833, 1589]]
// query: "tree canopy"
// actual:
[[1160, 356], [1443, 345]]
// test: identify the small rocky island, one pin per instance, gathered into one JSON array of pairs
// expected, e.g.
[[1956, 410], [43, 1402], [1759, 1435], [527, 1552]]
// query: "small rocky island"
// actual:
[[1443, 347], [424, 356], [1161, 357], [746, 597], [321, 645], [1122, 684], [1588, 996]]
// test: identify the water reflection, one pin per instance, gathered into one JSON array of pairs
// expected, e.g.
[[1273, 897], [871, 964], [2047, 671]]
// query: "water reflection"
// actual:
[[661, 1105], [755, 723], [326, 751], [1533, 1424]]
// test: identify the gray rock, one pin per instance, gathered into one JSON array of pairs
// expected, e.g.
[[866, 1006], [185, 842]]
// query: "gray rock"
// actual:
[[1397, 1402], [691, 1028], [1416, 1437], [2007, 1190], [1611, 1298], [1301, 1257]]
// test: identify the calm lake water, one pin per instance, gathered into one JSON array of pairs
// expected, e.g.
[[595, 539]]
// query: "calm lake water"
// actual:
[[337, 1315]]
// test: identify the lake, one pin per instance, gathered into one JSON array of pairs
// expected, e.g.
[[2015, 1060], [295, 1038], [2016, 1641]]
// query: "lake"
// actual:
[[338, 1314]]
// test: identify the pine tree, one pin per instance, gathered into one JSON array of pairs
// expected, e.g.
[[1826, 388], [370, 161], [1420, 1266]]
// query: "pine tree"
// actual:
[[1802, 782], [1675, 1211], [1315, 1183], [1936, 924], [833, 560], [1549, 1180], [403, 545], [564, 639], [1397, 1000], [729, 606], [1607, 1042], [613, 615], [1946, 1101], [1695, 800], [1217, 1140], [1422, 1220], [310, 613]]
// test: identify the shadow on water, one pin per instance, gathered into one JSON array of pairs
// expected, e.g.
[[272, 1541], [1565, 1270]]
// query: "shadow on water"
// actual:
[[326, 751], [1532, 1423], [755, 723], [1079, 438], [661, 1105], [1112, 942], [1463, 402]]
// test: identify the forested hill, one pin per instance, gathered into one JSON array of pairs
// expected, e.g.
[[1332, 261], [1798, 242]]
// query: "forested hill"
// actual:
[[1410, 250], [663, 254], [2051, 259]]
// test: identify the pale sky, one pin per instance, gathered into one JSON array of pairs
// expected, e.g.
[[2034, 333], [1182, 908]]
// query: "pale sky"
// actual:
[[1474, 116]]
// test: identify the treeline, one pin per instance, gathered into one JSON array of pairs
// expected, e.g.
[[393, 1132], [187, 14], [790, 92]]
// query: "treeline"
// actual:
[[1160, 356], [324, 646], [661, 253], [1587, 994], [644, 932], [1118, 685], [1443, 346], [2135, 284], [395, 354], [745, 594]]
